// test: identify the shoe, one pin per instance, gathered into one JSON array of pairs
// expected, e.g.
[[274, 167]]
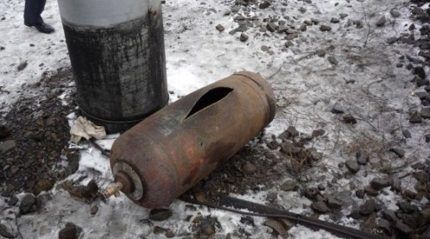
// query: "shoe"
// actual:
[[44, 28]]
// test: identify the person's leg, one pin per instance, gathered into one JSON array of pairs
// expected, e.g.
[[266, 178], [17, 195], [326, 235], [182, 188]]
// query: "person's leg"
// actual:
[[41, 7], [31, 12], [32, 15]]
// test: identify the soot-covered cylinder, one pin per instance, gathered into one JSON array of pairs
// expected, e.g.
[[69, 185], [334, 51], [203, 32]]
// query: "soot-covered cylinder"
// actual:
[[117, 53], [171, 150]]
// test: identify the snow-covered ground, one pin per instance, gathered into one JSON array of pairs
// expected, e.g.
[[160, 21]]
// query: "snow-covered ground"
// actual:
[[365, 81]]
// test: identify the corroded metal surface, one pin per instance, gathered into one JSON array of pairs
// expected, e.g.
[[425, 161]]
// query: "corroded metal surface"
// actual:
[[181, 144]]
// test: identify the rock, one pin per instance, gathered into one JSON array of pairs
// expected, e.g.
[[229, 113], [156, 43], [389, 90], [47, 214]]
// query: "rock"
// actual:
[[289, 185], [160, 214], [389, 215], [320, 207], [392, 40], [321, 53], [249, 168], [271, 27], [395, 13], [318, 133], [70, 231], [88, 192], [396, 185], [398, 151], [333, 202], [337, 109], [220, 28], [43, 185], [403, 228], [385, 226], [264, 5], [420, 81], [362, 158], [277, 226], [334, 20], [208, 226], [310, 193], [22, 66], [290, 149], [368, 207], [243, 37], [291, 132], [406, 133], [371, 191], [7, 230], [325, 28], [425, 113], [12, 201], [7, 145], [409, 194], [94, 209], [349, 119], [315, 21], [302, 9], [343, 15], [419, 71], [355, 214], [332, 60], [407, 207], [381, 21], [247, 220], [352, 166], [4, 132], [427, 138], [360, 193], [28, 204], [289, 44], [380, 183]]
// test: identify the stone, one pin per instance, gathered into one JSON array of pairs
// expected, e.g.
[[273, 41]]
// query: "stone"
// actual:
[[407, 207], [4, 132], [380, 183], [220, 28], [271, 27], [371, 191], [264, 5], [368, 207], [352, 166], [389, 215], [43, 185], [7, 145], [310, 193], [349, 119], [291, 132], [70, 231], [290, 149], [409, 194], [318, 133], [334, 20], [381, 21], [280, 228], [406, 133], [325, 28], [343, 15], [395, 13], [403, 227], [362, 158], [247, 220], [420, 81], [320, 207], [398, 151], [332, 60], [289, 185], [425, 113], [360, 193], [419, 71], [321, 53], [333, 202], [208, 226], [7, 230], [94, 209], [249, 168], [392, 40], [427, 138], [337, 109], [289, 44], [160, 214], [243, 37], [28, 204], [21, 66]]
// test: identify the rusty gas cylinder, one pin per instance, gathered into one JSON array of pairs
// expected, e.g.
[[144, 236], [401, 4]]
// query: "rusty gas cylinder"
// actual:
[[170, 151]]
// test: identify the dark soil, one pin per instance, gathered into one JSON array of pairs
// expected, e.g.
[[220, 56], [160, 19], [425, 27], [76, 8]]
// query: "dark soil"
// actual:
[[37, 133]]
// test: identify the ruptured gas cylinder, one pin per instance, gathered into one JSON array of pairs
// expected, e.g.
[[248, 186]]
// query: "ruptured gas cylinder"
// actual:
[[117, 53], [171, 150]]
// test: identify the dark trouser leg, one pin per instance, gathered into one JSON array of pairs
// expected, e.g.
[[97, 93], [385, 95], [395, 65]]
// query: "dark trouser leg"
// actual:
[[32, 11]]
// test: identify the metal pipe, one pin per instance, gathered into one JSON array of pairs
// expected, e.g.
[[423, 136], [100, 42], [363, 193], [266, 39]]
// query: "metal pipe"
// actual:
[[171, 150], [118, 59]]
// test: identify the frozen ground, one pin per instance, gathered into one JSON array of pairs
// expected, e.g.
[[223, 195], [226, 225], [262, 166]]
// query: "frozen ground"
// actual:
[[365, 82]]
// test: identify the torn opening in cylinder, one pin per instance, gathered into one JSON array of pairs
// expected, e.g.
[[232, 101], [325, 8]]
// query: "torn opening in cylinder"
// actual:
[[209, 98]]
